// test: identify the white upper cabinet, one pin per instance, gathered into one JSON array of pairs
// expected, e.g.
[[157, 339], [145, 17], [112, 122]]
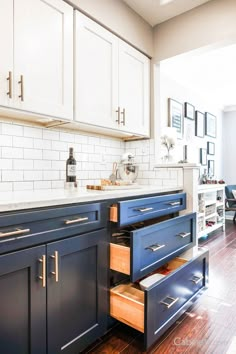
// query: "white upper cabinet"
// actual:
[[42, 78], [6, 61], [111, 80], [134, 90], [96, 63]]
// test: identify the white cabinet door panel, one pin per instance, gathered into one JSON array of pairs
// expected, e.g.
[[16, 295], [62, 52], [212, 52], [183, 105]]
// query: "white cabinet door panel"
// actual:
[[6, 40], [134, 89], [96, 66], [43, 42]]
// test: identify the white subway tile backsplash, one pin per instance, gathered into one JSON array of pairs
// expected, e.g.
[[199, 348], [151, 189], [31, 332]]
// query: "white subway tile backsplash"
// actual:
[[33, 175], [88, 149], [12, 129], [57, 184], [6, 187], [23, 186], [58, 145], [42, 144], [12, 176], [81, 139], [6, 140], [58, 165], [23, 164], [42, 185], [50, 135], [23, 142], [51, 175], [51, 155], [33, 132], [67, 137], [42, 165], [35, 154], [12, 153], [5, 164]]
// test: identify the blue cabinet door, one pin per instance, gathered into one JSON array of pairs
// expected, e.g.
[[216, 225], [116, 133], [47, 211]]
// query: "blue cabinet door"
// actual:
[[22, 302], [77, 291]]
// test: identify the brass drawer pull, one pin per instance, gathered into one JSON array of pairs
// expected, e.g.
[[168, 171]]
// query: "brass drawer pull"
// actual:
[[174, 203], [169, 305], [55, 257], [67, 222], [13, 233], [155, 248], [123, 113], [118, 111], [196, 279], [21, 82], [43, 276], [184, 234], [142, 210], [9, 78]]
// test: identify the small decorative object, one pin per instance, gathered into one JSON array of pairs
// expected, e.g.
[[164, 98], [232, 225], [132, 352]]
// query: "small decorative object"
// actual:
[[211, 168], [189, 111], [210, 125], [175, 109], [168, 138], [199, 124], [185, 153], [210, 148], [204, 177], [203, 156]]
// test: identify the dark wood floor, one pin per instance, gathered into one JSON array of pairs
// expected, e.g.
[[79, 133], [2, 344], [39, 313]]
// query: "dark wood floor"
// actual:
[[208, 327]]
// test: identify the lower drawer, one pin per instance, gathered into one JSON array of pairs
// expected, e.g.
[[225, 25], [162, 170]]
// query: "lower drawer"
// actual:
[[155, 309]]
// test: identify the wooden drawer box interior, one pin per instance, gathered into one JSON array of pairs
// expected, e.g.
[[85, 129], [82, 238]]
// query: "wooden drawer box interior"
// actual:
[[127, 300]]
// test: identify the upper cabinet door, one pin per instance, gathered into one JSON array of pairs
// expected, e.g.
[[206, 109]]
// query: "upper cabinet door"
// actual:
[[43, 57], [134, 90], [6, 61], [96, 74]]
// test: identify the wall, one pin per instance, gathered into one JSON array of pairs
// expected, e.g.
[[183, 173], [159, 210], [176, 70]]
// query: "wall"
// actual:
[[209, 24], [229, 147], [169, 88], [122, 20]]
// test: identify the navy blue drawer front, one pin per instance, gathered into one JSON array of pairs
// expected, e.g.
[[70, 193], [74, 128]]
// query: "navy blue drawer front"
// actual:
[[167, 300], [137, 210], [154, 245], [23, 229]]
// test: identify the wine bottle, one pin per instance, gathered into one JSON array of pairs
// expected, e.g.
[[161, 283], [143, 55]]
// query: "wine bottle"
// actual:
[[71, 167]]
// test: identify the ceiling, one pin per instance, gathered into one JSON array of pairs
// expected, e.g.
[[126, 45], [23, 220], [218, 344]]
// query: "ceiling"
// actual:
[[211, 74], [157, 11]]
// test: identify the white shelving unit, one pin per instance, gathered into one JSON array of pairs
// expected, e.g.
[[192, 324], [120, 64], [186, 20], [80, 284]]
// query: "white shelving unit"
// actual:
[[211, 208]]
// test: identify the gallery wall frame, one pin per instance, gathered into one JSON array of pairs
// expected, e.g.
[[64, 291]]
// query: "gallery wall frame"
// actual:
[[210, 125], [211, 168], [203, 156], [210, 148], [199, 124], [175, 115], [189, 111]]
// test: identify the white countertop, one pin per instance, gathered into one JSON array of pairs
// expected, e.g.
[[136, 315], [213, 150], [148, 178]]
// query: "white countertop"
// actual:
[[10, 201]]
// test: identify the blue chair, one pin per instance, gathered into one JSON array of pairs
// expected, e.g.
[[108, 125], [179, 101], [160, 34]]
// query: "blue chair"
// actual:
[[230, 201]]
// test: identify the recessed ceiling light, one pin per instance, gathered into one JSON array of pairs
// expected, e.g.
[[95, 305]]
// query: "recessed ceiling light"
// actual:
[[165, 2]]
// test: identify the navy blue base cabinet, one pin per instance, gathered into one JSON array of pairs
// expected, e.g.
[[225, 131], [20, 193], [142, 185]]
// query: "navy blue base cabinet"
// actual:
[[53, 298]]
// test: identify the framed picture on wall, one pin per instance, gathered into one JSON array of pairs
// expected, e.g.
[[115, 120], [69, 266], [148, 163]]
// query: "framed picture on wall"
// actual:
[[199, 124], [189, 111], [210, 148], [203, 156], [211, 168], [210, 125], [175, 113]]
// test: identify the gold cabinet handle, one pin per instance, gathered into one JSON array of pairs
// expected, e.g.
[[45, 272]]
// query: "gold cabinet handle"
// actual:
[[155, 247], [55, 257], [14, 232], [143, 210], [67, 222], [43, 276], [123, 114], [196, 279], [9, 79], [184, 234], [169, 305], [118, 111], [21, 82]]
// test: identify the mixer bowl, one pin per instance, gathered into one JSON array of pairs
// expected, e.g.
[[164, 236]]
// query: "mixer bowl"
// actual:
[[128, 172]]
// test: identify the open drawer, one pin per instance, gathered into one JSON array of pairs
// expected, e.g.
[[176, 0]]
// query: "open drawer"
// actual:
[[136, 210], [155, 309], [152, 246]]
